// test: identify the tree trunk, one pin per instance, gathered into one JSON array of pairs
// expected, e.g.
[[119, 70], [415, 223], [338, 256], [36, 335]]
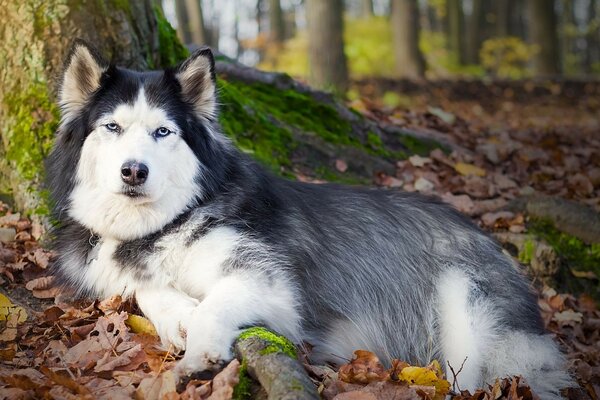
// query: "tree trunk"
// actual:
[[328, 65], [592, 37], [455, 29], [276, 23], [366, 8], [405, 28], [183, 24], [35, 37], [198, 32], [542, 20], [474, 39], [502, 18]]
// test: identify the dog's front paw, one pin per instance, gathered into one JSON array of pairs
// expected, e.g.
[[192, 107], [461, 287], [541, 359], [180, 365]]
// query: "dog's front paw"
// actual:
[[204, 358], [172, 330]]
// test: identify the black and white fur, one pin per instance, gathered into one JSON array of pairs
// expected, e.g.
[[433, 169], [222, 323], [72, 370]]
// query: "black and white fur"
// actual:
[[210, 242]]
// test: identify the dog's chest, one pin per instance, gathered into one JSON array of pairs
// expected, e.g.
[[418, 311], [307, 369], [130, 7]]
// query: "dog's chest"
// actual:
[[190, 263]]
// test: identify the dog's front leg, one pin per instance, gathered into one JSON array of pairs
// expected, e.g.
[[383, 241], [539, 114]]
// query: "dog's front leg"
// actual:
[[169, 310], [233, 303]]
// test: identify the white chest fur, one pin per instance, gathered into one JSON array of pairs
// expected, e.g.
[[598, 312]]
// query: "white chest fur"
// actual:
[[192, 267]]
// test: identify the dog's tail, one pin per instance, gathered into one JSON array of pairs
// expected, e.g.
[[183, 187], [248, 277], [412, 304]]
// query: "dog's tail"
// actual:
[[486, 338], [534, 357]]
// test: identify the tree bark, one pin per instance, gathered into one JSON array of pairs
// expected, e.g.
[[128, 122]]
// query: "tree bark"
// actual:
[[366, 8], [405, 28], [502, 18], [198, 31], [276, 23], [183, 27], [456, 29], [474, 38], [328, 64], [592, 38], [281, 375], [35, 37], [542, 22]]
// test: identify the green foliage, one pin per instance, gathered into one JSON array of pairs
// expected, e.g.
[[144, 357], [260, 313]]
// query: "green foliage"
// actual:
[[440, 61], [507, 57], [368, 47]]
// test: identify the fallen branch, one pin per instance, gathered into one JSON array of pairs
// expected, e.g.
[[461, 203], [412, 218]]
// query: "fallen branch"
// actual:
[[271, 360], [567, 216]]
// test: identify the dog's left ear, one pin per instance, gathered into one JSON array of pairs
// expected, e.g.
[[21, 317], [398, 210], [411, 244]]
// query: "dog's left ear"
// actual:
[[196, 75]]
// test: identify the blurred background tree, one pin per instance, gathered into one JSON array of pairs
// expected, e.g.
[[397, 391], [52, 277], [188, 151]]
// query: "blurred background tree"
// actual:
[[328, 42]]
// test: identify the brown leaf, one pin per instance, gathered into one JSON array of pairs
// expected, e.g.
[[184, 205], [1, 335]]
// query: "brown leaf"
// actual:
[[364, 368], [341, 165], [156, 387], [225, 381], [64, 380], [44, 282], [129, 360]]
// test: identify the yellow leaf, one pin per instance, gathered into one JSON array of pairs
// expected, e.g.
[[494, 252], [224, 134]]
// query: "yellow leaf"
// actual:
[[431, 375], [7, 308], [139, 324], [469, 169]]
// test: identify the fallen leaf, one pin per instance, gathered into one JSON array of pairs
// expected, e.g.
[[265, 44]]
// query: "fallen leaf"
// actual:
[[139, 324], [568, 316], [423, 185], [225, 381], [469, 169], [341, 165], [431, 375], [156, 387], [418, 161], [7, 309], [364, 368]]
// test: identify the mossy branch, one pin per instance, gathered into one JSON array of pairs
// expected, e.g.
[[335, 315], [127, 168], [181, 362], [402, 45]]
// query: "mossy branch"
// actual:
[[271, 360]]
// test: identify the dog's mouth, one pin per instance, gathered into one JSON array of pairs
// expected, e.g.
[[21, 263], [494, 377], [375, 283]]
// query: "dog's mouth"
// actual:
[[133, 192]]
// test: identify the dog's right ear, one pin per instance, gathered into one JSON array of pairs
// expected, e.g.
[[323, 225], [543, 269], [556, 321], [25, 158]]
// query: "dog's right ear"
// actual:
[[81, 77]]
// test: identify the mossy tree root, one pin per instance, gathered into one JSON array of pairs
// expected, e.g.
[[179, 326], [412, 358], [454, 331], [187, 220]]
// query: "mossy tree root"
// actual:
[[269, 359], [567, 216]]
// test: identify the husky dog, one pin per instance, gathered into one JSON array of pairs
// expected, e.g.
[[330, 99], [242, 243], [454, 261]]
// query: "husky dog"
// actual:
[[154, 202]]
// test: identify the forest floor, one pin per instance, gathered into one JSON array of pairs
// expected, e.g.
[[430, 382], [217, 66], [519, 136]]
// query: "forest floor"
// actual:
[[512, 140]]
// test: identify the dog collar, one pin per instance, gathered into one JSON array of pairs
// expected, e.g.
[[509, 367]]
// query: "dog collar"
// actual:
[[94, 239]]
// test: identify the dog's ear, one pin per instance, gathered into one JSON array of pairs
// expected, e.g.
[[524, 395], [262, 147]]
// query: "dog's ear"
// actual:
[[81, 77], [196, 75]]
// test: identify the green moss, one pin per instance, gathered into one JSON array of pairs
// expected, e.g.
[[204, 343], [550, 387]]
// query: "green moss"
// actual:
[[260, 119], [243, 390], [526, 254], [171, 49], [332, 175], [575, 255], [421, 147], [29, 130], [276, 343], [275, 113]]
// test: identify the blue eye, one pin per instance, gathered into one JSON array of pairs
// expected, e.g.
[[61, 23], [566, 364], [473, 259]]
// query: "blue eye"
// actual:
[[162, 132], [112, 127]]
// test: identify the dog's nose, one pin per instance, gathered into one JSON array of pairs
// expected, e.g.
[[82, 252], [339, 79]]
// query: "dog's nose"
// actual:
[[134, 173]]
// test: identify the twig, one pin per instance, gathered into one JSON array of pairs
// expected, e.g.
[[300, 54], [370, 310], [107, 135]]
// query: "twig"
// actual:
[[455, 374]]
